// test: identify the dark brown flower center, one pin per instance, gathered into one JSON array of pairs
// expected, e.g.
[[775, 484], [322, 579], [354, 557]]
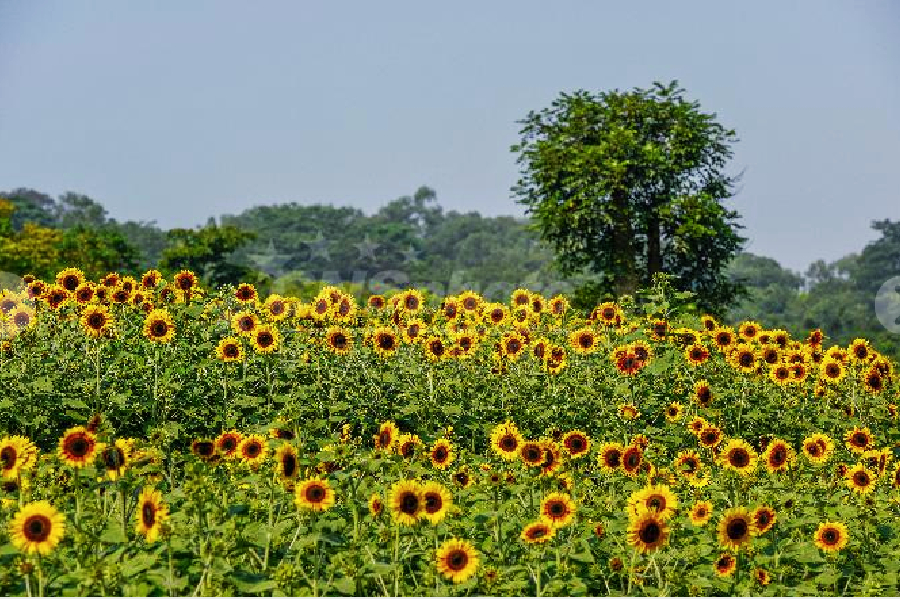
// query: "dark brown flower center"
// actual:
[[36, 528], [739, 458], [148, 514], [315, 493], [433, 502], [457, 560], [737, 529], [409, 503], [650, 533]]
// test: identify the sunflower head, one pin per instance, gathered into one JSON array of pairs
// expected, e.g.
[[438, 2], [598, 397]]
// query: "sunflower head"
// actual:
[[736, 528], [831, 537], [647, 531], [37, 528], [314, 494]]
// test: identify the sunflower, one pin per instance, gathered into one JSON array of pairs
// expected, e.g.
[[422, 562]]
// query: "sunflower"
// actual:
[[17, 454], [227, 443], [832, 371], [861, 480], [558, 306], [151, 512], [37, 528], [265, 339], [859, 440], [696, 354], [697, 424], [628, 363], [537, 532], [873, 381], [657, 498], [77, 447], [558, 510], [387, 436], [629, 412], [339, 340], [410, 301], [779, 456], [726, 564], [385, 341], [457, 560], [743, 358], [442, 454], [438, 501], [204, 449], [610, 456], [150, 279], [739, 456], [647, 531], [736, 528], [253, 450], [286, 462], [185, 281], [114, 458], [764, 518], [531, 454], [723, 338], [818, 448], [230, 350], [860, 350], [710, 436], [506, 440], [407, 502], [406, 445], [435, 350], [314, 494], [584, 340], [749, 330], [576, 443], [674, 411], [375, 505], [831, 537], [244, 323], [552, 458], [56, 296], [246, 293], [158, 326], [632, 460], [701, 512], [607, 313], [462, 478]]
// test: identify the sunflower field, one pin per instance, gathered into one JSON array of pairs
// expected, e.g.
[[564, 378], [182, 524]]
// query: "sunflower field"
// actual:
[[158, 438]]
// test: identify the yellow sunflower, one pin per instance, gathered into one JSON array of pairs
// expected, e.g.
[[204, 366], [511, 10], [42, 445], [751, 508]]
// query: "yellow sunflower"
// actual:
[[230, 350], [151, 512], [861, 480], [739, 456], [265, 339], [537, 532], [314, 494], [506, 440], [558, 509], [158, 326], [647, 531], [831, 537], [253, 450], [701, 513], [438, 500], [37, 528], [442, 454], [736, 528], [407, 502], [658, 498], [77, 447], [457, 560]]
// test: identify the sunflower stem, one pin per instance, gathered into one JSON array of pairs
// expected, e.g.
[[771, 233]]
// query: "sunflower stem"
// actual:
[[396, 559], [28, 584], [123, 501], [40, 576]]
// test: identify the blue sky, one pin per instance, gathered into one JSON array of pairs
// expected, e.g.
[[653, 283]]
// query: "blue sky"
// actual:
[[174, 111]]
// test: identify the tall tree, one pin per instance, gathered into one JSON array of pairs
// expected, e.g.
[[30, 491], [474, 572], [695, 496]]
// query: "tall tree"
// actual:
[[629, 184]]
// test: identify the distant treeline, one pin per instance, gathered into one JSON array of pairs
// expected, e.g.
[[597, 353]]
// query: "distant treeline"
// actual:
[[412, 241]]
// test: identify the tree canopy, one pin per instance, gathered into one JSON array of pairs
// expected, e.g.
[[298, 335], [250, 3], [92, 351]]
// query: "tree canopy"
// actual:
[[629, 184]]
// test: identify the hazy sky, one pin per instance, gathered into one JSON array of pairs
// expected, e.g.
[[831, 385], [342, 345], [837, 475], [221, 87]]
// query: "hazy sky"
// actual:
[[175, 111]]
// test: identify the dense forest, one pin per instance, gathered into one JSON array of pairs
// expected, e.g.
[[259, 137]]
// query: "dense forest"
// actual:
[[411, 240]]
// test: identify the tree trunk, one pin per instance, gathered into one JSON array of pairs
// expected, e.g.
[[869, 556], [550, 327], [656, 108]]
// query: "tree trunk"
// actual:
[[625, 276], [654, 255]]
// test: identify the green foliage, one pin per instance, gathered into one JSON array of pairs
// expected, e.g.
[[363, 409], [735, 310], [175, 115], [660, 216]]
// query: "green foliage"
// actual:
[[629, 184], [207, 251], [837, 297]]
